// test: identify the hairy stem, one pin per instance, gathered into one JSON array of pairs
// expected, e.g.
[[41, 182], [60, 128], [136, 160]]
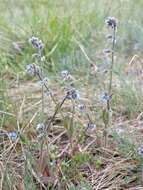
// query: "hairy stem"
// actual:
[[110, 84], [112, 61]]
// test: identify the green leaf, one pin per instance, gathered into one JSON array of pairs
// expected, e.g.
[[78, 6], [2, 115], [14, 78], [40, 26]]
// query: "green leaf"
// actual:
[[24, 139]]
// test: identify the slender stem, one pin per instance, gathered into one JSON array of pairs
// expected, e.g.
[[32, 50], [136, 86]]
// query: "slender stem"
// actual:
[[42, 96], [46, 132], [112, 61], [47, 89], [71, 126], [56, 111], [105, 136], [110, 84], [88, 116], [42, 78], [51, 95]]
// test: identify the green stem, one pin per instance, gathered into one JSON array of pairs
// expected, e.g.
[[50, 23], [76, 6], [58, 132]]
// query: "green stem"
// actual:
[[42, 78], [47, 89], [42, 91], [110, 84], [112, 61]]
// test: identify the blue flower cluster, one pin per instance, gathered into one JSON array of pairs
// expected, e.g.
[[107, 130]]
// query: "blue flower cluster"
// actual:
[[36, 43], [111, 22], [33, 69], [73, 94]]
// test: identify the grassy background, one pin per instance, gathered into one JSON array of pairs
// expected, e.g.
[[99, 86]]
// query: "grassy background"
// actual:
[[74, 34], [60, 24]]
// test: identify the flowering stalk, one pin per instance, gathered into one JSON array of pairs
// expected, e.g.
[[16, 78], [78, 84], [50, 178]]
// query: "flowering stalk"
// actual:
[[111, 23], [38, 70], [38, 45]]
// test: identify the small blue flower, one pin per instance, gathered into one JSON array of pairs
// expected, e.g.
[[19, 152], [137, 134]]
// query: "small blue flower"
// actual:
[[40, 127], [40, 45], [32, 69], [36, 43], [111, 22], [91, 126], [44, 81], [47, 92], [66, 75], [140, 151], [105, 97], [81, 107], [73, 94], [12, 135]]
